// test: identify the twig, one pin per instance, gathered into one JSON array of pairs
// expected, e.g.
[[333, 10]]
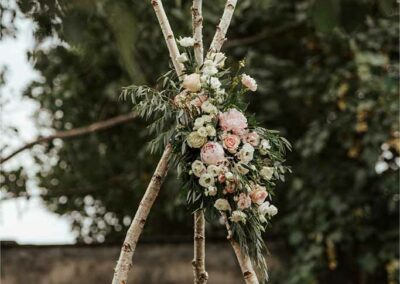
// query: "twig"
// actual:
[[249, 275], [222, 28], [76, 132], [197, 23], [168, 34], [124, 263]]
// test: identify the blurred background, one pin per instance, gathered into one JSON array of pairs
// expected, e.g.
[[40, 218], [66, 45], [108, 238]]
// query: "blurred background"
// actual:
[[327, 72]]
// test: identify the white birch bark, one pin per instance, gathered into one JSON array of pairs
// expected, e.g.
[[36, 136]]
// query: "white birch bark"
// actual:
[[199, 270], [222, 28], [197, 23]]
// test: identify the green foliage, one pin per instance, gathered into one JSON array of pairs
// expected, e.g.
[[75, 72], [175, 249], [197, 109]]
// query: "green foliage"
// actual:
[[331, 90]]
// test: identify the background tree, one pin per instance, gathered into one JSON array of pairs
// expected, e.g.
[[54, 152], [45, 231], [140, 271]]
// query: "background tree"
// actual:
[[328, 79]]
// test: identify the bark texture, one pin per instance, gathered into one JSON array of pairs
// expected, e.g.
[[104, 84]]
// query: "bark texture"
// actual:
[[222, 28], [249, 275], [197, 23], [124, 263], [199, 270]]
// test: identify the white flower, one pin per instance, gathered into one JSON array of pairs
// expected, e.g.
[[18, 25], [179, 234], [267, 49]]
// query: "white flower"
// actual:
[[218, 58], [238, 216], [214, 170], [182, 58], [249, 82], [222, 204], [209, 108], [198, 168], [246, 153], [264, 147], [229, 176], [267, 172], [199, 122], [267, 209], [202, 131], [207, 118], [215, 83], [209, 68], [241, 169], [206, 180], [186, 41], [194, 140], [211, 130], [212, 191], [192, 83]]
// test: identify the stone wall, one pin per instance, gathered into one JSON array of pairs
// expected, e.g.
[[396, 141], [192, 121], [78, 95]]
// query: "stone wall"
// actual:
[[154, 263]]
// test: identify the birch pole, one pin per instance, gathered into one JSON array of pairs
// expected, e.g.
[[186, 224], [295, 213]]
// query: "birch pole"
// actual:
[[245, 264], [199, 271], [249, 275], [124, 263]]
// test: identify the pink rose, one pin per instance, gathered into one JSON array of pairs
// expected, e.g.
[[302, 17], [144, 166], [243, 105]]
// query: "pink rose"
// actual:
[[192, 82], [230, 188], [259, 195], [221, 178], [244, 201], [233, 120], [252, 138], [230, 142], [212, 153], [249, 82]]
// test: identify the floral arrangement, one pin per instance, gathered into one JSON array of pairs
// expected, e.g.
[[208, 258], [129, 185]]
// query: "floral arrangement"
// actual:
[[227, 163]]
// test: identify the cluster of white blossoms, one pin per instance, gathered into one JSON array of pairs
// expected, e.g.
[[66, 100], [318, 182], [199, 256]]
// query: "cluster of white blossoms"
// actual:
[[229, 150]]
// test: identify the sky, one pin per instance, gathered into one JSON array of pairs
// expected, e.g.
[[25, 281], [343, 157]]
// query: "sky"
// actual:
[[21, 220]]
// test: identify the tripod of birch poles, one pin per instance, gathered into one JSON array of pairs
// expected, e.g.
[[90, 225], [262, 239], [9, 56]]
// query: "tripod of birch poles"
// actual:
[[200, 274]]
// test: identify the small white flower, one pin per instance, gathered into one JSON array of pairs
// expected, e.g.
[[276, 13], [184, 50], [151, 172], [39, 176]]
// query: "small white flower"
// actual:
[[222, 204], [209, 68], [264, 147], [267, 209], [267, 172], [246, 154], [218, 58], [208, 107], [207, 118], [202, 131], [229, 176], [214, 170], [212, 191], [249, 82], [199, 122], [186, 41], [198, 168], [182, 58], [206, 180], [211, 130], [238, 216], [241, 169], [215, 83]]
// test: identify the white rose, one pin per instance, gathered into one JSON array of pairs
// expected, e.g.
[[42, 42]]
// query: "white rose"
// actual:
[[267, 172], [215, 83], [249, 82], [229, 176], [264, 147], [212, 191], [209, 108], [222, 204], [246, 153], [238, 216], [206, 180], [214, 170], [211, 130], [202, 131], [218, 58], [198, 168], [182, 58], [186, 41], [199, 122], [194, 140], [192, 82]]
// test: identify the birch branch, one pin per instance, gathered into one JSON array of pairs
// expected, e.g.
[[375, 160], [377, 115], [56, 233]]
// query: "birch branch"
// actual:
[[168, 35], [249, 275], [222, 28], [124, 263], [197, 23], [199, 271], [76, 132]]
